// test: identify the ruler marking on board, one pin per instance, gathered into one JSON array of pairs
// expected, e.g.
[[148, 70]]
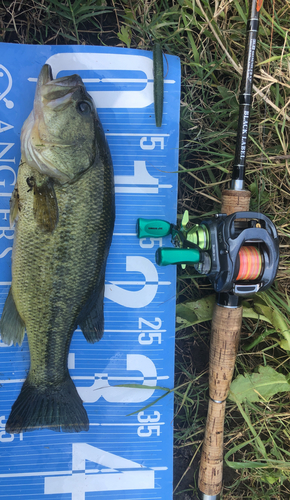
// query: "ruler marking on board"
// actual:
[[141, 330], [112, 80], [124, 234], [143, 283], [119, 134], [138, 424], [92, 377], [41, 473]]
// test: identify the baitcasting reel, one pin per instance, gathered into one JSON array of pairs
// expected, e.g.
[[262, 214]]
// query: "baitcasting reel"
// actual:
[[239, 253]]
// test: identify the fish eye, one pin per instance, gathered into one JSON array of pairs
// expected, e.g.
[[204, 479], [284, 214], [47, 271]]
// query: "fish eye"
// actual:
[[84, 107]]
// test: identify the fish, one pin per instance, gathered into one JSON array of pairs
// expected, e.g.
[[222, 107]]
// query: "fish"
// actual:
[[63, 209]]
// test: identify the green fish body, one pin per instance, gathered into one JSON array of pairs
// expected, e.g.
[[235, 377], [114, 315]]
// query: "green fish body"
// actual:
[[63, 205]]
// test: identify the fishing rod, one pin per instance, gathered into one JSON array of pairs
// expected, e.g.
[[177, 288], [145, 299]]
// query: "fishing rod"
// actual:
[[227, 316], [238, 251]]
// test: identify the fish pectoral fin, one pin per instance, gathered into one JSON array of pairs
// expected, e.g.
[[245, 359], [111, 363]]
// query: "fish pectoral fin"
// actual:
[[12, 327], [45, 205], [14, 205], [91, 319]]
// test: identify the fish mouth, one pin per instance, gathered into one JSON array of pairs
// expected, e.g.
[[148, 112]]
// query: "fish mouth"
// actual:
[[53, 93], [45, 75], [45, 79]]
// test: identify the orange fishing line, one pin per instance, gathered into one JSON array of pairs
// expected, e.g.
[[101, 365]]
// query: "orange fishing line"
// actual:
[[250, 263]]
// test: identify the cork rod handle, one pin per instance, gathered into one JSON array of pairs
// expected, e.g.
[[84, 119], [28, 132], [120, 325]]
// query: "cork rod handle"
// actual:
[[235, 201], [225, 334]]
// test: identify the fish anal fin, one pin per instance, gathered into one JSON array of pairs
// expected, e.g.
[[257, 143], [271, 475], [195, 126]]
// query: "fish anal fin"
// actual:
[[12, 327], [91, 319], [44, 204]]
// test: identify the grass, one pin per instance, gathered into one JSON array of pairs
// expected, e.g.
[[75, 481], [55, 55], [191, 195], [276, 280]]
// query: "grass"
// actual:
[[209, 38]]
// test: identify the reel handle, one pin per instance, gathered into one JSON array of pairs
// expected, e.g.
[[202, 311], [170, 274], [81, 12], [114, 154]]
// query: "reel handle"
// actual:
[[153, 228], [168, 256]]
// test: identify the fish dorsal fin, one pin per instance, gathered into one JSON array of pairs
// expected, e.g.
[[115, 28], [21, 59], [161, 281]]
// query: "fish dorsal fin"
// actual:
[[44, 204]]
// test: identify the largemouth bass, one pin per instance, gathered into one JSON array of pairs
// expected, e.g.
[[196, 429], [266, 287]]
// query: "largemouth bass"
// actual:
[[63, 208]]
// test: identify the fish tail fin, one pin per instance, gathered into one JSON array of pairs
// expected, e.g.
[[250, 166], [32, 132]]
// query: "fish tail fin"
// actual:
[[56, 407]]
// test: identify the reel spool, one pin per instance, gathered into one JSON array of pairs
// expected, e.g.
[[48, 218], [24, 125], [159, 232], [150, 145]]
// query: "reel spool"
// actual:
[[239, 253], [250, 261]]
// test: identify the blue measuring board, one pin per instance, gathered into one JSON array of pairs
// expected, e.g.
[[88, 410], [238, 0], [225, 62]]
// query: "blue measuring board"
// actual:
[[127, 454]]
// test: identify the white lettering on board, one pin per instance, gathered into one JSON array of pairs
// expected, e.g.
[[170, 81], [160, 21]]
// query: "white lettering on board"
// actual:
[[77, 61], [136, 183], [5, 126], [6, 147], [4, 71], [115, 474], [139, 298], [101, 387]]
